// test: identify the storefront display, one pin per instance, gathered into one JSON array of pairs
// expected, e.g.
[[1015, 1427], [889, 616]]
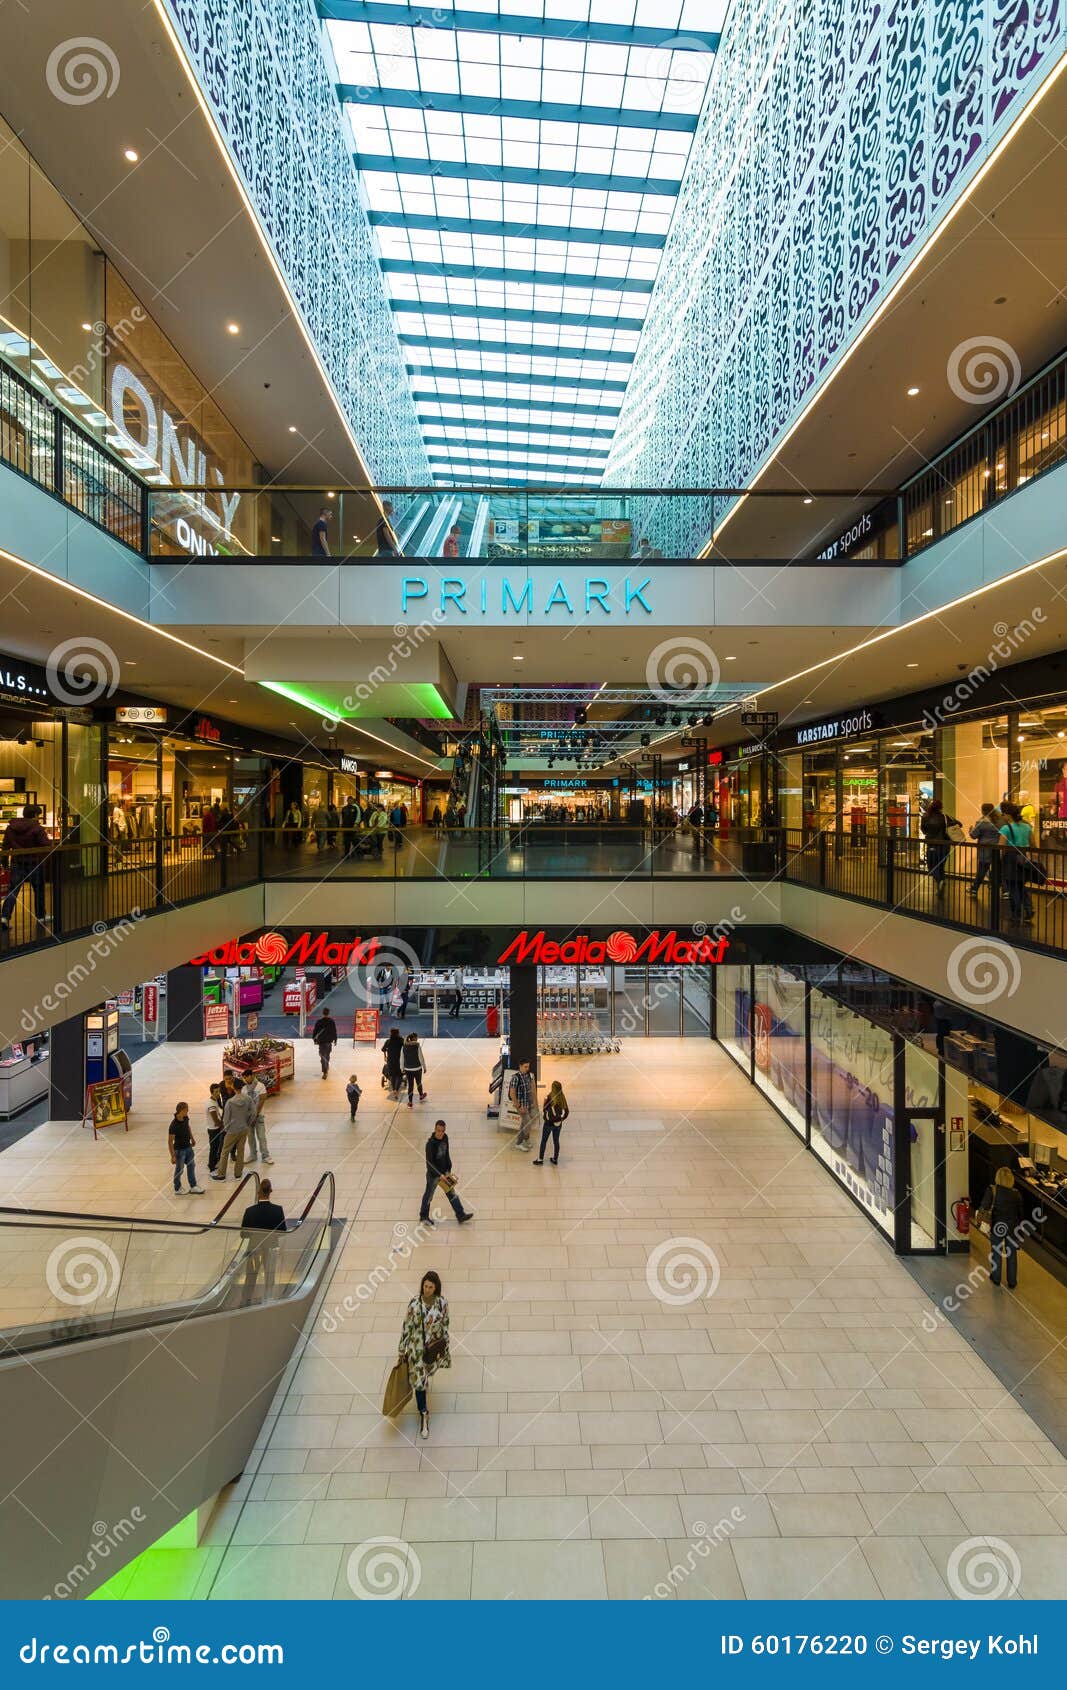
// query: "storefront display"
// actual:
[[268, 1060]]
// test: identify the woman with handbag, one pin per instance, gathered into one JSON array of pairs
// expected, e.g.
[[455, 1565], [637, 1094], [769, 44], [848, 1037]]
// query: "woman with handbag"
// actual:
[[1004, 1208], [936, 826], [439, 1173], [414, 1065], [424, 1342], [1016, 837], [553, 1115]]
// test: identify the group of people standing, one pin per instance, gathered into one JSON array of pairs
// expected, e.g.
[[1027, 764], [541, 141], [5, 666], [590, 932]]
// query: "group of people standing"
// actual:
[[1000, 828], [236, 1132], [355, 829]]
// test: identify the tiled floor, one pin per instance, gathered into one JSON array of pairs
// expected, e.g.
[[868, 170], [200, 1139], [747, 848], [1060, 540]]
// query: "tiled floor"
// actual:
[[682, 1349]]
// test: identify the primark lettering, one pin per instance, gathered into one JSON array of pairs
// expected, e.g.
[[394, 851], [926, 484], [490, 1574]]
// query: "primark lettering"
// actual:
[[576, 597]]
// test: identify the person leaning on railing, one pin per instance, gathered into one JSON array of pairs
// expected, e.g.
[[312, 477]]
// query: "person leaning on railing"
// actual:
[[24, 841]]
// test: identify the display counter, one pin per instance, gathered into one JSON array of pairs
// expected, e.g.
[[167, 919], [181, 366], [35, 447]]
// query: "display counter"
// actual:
[[269, 1060], [481, 988], [23, 1080]]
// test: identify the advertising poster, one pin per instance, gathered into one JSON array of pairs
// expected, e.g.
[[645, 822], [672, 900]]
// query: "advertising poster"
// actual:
[[365, 1025], [216, 1021], [105, 1105]]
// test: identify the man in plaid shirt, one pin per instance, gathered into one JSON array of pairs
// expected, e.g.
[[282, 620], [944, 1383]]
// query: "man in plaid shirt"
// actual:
[[523, 1093]]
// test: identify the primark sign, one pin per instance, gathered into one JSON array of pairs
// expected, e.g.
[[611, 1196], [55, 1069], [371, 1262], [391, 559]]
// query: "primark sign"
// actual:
[[533, 595]]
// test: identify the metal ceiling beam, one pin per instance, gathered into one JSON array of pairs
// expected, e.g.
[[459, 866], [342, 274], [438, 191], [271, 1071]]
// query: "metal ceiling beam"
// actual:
[[489, 226], [500, 378], [463, 401], [511, 314], [510, 350], [497, 23], [535, 111], [496, 451], [501, 273], [582, 433], [459, 170]]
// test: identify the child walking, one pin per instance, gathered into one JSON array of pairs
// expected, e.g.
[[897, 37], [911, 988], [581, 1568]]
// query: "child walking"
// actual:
[[353, 1092]]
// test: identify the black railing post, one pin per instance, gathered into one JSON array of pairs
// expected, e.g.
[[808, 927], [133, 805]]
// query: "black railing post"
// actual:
[[160, 868], [995, 883], [58, 472], [822, 858], [223, 855], [261, 848], [890, 871], [145, 519]]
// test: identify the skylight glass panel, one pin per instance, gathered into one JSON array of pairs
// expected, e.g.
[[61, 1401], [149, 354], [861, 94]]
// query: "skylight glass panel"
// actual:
[[554, 246]]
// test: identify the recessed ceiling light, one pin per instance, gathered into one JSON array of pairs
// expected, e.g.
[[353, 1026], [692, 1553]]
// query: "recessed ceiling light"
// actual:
[[913, 665], [331, 495], [731, 660], [88, 327], [292, 428], [807, 501], [275, 539], [131, 662], [518, 658], [913, 392], [233, 328], [131, 155]]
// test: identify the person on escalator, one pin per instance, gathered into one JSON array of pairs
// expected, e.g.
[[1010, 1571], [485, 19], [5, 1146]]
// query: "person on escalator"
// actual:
[[261, 1226]]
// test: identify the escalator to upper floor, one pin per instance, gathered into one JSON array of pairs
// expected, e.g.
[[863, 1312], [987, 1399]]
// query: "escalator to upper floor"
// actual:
[[138, 1361]]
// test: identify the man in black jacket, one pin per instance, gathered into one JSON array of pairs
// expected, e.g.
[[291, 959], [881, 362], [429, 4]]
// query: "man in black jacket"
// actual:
[[262, 1224], [26, 841], [324, 1034], [438, 1162]]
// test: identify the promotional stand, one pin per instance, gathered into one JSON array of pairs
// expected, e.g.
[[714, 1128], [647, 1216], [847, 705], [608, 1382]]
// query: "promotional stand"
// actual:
[[105, 1105]]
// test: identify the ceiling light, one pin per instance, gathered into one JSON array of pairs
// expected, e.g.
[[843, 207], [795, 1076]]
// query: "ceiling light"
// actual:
[[913, 392], [292, 428], [731, 660], [913, 665], [331, 495], [131, 155], [518, 658], [233, 328], [928, 533], [275, 539], [807, 501], [88, 327]]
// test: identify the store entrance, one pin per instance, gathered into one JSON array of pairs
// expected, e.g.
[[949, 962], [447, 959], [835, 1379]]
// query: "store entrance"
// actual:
[[589, 1009]]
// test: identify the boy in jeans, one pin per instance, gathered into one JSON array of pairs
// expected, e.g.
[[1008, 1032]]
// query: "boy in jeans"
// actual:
[[353, 1092], [182, 1152]]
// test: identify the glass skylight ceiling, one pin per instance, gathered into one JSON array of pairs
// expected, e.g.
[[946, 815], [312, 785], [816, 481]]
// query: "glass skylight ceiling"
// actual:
[[520, 163]]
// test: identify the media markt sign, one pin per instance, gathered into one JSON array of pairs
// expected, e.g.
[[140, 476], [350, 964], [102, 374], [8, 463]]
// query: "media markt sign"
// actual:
[[275, 949], [618, 947]]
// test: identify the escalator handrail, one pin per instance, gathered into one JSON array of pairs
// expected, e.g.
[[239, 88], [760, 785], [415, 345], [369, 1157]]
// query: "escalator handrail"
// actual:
[[327, 1178], [8, 1214]]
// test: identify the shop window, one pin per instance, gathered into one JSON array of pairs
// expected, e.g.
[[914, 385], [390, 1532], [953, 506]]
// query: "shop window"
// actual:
[[778, 1020], [852, 1104]]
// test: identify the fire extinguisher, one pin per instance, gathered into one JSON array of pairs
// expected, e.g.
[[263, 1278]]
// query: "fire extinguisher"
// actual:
[[961, 1215]]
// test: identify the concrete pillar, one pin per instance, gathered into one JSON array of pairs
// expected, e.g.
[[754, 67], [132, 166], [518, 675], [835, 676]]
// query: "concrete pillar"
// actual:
[[66, 1083], [524, 1014], [185, 1004]]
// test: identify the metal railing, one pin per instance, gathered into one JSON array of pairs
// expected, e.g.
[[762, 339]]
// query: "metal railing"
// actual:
[[975, 887]]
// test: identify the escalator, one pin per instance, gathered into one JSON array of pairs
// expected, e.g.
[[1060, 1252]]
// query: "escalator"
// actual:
[[138, 1361]]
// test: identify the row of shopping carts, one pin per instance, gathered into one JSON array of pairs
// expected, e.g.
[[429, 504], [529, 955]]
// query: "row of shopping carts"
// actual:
[[570, 1033]]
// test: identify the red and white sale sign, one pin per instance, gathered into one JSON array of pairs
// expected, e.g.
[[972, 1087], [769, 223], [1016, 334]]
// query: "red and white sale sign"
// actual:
[[150, 1003], [216, 1021], [365, 1025]]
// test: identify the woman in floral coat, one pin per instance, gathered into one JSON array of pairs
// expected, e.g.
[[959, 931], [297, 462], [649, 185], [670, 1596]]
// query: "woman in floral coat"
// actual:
[[424, 1342]]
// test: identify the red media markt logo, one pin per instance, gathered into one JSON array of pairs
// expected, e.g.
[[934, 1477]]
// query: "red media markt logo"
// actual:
[[274, 950], [621, 946], [271, 948]]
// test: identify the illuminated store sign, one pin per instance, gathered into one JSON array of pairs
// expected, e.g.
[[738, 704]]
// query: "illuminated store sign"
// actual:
[[26, 681], [207, 729], [172, 447], [618, 947], [845, 542], [838, 727], [276, 950], [142, 715], [484, 596], [347, 764]]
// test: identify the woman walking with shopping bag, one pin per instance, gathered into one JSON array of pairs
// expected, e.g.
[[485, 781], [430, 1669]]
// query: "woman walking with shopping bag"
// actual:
[[424, 1342]]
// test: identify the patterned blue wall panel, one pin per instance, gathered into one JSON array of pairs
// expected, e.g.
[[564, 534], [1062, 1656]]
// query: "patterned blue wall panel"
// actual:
[[834, 137], [260, 62]]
